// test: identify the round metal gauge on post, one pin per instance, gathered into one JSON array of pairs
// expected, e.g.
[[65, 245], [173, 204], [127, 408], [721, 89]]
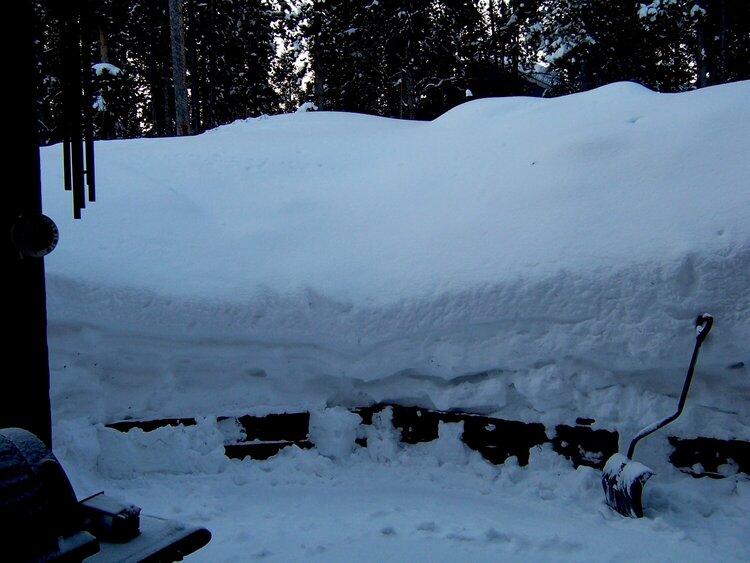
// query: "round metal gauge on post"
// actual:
[[34, 235]]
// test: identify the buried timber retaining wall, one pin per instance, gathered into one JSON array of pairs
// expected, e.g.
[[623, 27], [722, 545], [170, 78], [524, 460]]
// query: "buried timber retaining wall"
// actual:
[[495, 438]]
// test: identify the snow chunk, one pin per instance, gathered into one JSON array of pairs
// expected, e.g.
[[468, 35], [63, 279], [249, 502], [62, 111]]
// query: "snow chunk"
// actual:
[[307, 106], [99, 104], [333, 431], [101, 68]]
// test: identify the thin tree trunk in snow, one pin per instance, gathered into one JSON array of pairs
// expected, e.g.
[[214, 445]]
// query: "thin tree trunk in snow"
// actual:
[[177, 33]]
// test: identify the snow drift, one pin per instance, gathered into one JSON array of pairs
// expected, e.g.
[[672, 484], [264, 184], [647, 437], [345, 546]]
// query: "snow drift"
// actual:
[[536, 258], [532, 259]]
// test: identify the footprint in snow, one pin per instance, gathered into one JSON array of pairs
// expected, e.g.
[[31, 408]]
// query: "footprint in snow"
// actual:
[[428, 526]]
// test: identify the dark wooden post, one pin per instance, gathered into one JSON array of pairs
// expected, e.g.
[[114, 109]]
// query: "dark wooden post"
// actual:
[[24, 384]]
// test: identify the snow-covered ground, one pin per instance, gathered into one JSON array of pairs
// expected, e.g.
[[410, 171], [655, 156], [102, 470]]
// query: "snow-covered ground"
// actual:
[[532, 259]]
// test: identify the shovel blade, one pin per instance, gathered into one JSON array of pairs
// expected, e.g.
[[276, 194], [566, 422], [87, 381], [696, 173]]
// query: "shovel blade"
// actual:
[[623, 480]]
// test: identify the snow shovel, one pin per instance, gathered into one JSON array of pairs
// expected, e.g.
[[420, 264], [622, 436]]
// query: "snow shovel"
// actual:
[[623, 479]]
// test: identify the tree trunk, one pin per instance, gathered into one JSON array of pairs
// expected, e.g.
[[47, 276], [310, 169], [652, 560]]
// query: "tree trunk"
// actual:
[[103, 44], [320, 99], [209, 84], [701, 64], [408, 96], [192, 65], [105, 118], [723, 32], [177, 34]]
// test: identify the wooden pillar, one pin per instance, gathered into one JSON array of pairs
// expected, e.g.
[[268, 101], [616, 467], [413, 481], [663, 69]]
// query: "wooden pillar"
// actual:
[[24, 383]]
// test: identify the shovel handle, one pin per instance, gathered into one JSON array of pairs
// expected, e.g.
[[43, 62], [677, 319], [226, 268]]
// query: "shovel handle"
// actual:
[[703, 324]]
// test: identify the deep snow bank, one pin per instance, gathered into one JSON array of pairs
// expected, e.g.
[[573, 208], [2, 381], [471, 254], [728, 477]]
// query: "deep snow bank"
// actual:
[[529, 257]]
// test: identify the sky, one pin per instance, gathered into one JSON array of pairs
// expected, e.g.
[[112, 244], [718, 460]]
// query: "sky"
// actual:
[[529, 259]]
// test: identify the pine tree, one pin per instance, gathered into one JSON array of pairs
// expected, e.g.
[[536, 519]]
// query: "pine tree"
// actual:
[[453, 46], [232, 52], [722, 29], [411, 59], [394, 58], [288, 68], [590, 43], [49, 96], [149, 56], [668, 44], [337, 33], [514, 34], [115, 78]]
